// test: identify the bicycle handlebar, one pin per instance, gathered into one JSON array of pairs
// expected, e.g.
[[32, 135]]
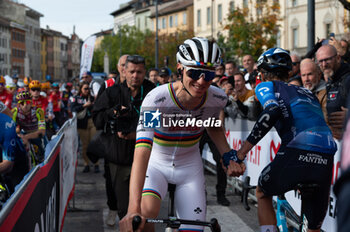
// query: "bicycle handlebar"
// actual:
[[176, 223]]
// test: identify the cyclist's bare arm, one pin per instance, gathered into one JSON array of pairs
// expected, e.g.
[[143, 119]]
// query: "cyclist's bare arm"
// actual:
[[35, 134], [6, 166], [137, 179], [242, 152]]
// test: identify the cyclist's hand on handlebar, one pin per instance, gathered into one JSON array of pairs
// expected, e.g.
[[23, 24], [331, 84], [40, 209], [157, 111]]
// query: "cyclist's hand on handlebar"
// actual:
[[125, 225], [235, 169]]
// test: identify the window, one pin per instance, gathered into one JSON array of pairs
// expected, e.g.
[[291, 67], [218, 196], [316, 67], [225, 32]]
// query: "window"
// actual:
[[138, 23], [184, 18], [163, 23], [295, 37], [232, 6], [294, 3], [208, 15], [176, 20], [328, 30], [199, 18], [219, 13], [171, 21], [245, 3]]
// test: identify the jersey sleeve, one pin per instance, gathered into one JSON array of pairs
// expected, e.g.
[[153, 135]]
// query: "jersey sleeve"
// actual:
[[145, 133], [265, 94]]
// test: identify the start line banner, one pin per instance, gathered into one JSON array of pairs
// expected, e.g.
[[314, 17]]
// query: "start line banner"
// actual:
[[263, 153]]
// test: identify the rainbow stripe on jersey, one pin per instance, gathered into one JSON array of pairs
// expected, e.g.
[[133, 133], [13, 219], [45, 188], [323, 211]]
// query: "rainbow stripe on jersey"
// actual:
[[176, 140], [144, 142]]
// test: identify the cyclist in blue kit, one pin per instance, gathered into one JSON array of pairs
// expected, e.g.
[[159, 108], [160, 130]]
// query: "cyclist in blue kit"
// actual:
[[14, 162], [307, 146]]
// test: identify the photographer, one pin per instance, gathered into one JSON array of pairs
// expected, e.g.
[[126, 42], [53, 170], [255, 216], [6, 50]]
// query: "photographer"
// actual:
[[116, 112]]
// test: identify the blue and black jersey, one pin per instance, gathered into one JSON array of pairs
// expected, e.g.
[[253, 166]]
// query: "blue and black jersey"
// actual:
[[297, 116]]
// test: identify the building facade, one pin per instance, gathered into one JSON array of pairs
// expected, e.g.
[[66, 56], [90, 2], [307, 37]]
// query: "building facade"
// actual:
[[32, 24], [174, 16], [18, 49], [74, 45], [5, 47], [210, 17]]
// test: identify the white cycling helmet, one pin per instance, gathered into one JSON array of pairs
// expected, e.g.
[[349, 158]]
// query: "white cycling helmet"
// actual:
[[199, 52]]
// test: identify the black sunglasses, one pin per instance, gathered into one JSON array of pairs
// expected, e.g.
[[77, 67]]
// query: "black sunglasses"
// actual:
[[295, 63], [35, 89], [136, 59], [86, 88]]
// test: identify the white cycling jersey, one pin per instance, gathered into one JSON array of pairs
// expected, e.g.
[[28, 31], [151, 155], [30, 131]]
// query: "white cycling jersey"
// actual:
[[175, 156]]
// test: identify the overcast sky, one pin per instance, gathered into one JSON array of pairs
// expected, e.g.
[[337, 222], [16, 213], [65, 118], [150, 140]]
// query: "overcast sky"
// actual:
[[88, 16]]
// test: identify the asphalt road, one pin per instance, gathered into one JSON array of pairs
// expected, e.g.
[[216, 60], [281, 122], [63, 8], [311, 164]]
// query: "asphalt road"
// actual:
[[88, 210]]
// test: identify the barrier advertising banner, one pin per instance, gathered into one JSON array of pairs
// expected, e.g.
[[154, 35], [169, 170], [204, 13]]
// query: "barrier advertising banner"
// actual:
[[37, 207], [68, 163], [263, 153]]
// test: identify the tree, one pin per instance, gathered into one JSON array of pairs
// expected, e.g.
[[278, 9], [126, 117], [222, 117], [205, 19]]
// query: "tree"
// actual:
[[248, 34], [133, 41]]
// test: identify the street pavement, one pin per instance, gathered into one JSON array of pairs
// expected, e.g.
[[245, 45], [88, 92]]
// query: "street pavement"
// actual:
[[88, 209]]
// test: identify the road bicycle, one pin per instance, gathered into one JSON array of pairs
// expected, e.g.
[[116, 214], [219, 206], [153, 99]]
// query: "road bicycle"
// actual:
[[287, 218], [172, 222]]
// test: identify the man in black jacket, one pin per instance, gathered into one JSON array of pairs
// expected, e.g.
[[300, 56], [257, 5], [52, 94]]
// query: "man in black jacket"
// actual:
[[337, 75], [116, 112]]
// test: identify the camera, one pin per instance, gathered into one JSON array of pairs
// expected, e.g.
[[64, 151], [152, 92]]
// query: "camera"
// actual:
[[123, 120]]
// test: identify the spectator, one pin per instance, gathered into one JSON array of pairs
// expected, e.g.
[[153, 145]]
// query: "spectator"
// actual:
[[337, 75], [345, 47], [230, 69], [55, 103], [341, 47], [294, 75], [219, 73], [120, 128], [5, 96], [163, 76], [248, 65], [121, 67], [93, 85], [112, 76], [243, 98], [15, 80], [82, 104], [153, 75], [311, 77]]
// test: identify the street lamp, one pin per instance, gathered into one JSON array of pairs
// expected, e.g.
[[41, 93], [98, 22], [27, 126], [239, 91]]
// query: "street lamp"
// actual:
[[156, 55]]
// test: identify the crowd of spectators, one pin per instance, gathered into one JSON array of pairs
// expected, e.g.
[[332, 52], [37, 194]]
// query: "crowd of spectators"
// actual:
[[104, 107]]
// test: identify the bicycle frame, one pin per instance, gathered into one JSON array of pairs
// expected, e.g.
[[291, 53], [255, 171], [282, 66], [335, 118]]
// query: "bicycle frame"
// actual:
[[284, 209]]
